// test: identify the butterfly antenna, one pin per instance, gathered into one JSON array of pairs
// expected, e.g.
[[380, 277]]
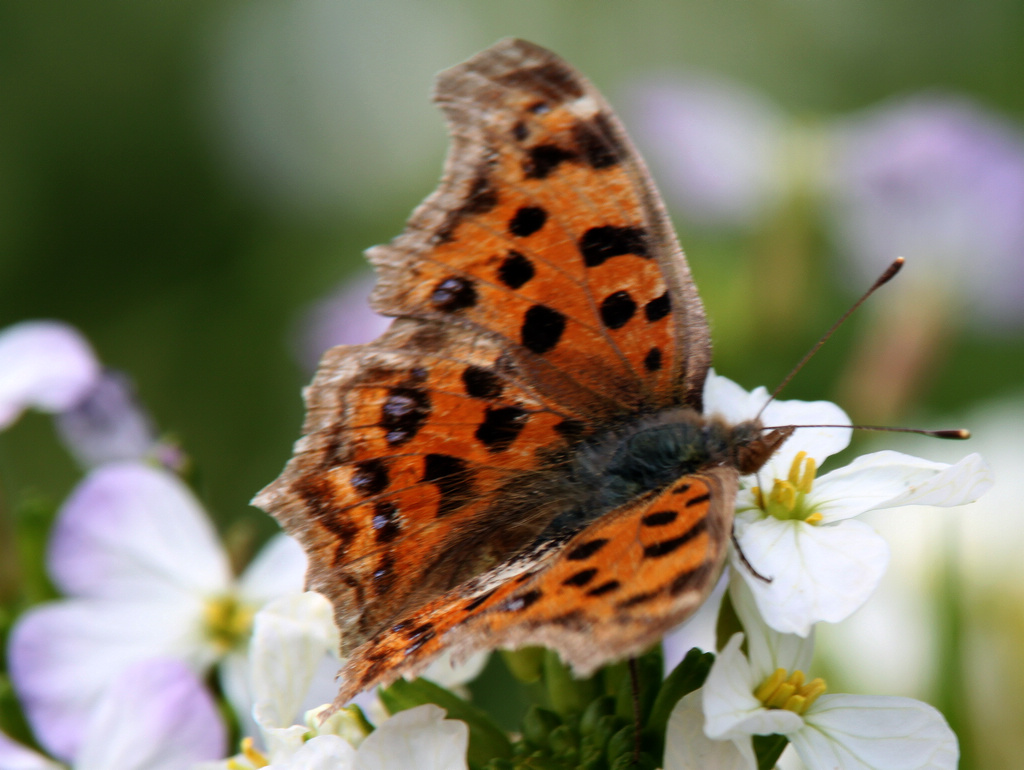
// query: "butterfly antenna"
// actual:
[[883, 279], [958, 434]]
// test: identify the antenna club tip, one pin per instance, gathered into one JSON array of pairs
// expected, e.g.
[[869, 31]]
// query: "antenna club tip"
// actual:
[[959, 434]]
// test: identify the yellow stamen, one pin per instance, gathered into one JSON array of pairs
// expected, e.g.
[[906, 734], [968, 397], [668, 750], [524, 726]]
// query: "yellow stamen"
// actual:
[[770, 684], [788, 499], [251, 753], [227, 622], [782, 690]]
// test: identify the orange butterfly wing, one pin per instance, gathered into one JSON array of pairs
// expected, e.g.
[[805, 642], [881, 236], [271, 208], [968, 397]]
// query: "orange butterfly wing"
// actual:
[[612, 590], [541, 298]]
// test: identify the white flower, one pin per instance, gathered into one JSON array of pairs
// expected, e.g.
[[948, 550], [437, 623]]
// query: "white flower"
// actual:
[[797, 530], [43, 364], [146, 577], [290, 639], [765, 693], [155, 716]]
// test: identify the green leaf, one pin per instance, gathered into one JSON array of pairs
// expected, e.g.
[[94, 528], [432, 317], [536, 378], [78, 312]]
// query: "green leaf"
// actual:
[[768, 749], [684, 679], [525, 664], [538, 724], [568, 694], [486, 739]]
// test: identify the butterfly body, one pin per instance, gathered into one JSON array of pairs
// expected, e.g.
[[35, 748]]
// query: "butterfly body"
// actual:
[[522, 458]]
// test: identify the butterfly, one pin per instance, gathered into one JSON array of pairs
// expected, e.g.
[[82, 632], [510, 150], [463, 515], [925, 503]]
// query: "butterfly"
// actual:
[[522, 457]]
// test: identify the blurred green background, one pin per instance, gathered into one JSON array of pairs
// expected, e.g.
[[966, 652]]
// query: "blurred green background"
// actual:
[[181, 180]]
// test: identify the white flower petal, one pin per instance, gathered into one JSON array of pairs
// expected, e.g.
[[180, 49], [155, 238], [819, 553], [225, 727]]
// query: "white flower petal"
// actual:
[[64, 654], [818, 443], [233, 673], [156, 716], [730, 401], [731, 710], [420, 737], [14, 756], [134, 532], [688, 748], [291, 635], [889, 479], [43, 364], [817, 572], [322, 752], [767, 649], [448, 674], [875, 733], [278, 569]]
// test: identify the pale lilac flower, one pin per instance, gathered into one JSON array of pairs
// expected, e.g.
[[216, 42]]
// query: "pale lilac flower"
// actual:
[[156, 715], [766, 692], [46, 365], [342, 318], [146, 577], [107, 424], [798, 530], [715, 145], [291, 637], [939, 180]]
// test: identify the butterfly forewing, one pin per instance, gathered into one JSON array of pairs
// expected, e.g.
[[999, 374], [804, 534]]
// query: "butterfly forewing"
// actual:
[[546, 233]]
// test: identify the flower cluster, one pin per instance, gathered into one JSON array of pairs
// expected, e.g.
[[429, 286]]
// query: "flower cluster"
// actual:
[[115, 674]]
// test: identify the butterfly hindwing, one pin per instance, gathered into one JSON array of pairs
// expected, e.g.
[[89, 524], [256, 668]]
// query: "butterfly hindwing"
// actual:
[[408, 443], [612, 590]]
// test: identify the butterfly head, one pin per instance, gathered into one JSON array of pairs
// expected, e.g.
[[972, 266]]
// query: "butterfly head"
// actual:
[[752, 446]]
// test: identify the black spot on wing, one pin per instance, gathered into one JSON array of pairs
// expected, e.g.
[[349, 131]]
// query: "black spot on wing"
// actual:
[[521, 601], [596, 142], [527, 220], [453, 293], [587, 549], [403, 413], [386, 521], [604, 588], [369, 477], [658, 308], [616, 309], [543, 159], [652, 361], [542, 328], [599, 244], [581, 578], [516, 270], [659, 518], [454, 481], [481, 383], [501, 427], [665, 547]]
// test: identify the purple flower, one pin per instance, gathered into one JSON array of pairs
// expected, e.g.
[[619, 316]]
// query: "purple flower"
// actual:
[[714, 144], [108, 424], [156, 715], [146, 578], [342, 318], [939, 180], [43, 364]]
